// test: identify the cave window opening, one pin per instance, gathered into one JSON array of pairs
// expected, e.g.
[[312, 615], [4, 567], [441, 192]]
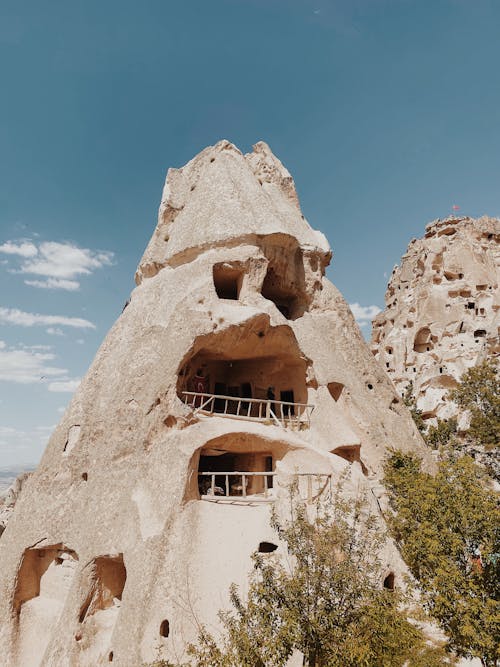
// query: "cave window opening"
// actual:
[[107, 582], [352, 454], [389, 582], [471, 305], [423, 340], [236, 470], [227, 281], [267, 547], [282, 295], [335, 389], [479, 333], [270, 387], [44, 573], [164, 628]]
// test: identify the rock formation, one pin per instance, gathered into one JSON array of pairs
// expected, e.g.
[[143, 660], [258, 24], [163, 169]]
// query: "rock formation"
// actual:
[[442, 311], [235, 368], [9, 497]]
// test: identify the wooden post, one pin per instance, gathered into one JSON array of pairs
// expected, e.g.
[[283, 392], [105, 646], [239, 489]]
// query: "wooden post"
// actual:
[[244, 485], [213, 485], [227, 485]]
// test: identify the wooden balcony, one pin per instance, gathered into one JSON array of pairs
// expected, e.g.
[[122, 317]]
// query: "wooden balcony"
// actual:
[[232, 486], [295, 416]]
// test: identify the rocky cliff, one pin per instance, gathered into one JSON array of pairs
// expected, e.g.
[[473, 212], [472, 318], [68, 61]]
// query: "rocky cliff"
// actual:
[[236, 368], [442, 311]]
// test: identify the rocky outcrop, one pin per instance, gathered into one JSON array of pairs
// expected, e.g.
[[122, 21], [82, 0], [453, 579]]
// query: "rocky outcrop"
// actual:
[[442, 311], [9, 498], [236, 368]]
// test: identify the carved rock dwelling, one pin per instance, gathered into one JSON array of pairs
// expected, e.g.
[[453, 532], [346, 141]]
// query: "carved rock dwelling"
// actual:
[[442, 311], [236, 367]]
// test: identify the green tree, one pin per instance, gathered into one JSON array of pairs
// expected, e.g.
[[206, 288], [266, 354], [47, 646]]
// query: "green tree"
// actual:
[[325, 599], [479, 393], [442, 434], [447, 527], [411, 404]]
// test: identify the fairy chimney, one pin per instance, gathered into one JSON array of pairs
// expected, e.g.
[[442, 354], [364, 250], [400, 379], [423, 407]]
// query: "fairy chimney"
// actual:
[[442, 311], [236, 367]]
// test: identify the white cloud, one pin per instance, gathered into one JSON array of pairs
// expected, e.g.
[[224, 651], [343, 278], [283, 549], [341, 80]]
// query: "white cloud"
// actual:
[[65, 260], [54, 283], [25, 366], [55, 331], [364, 314], [23, 319], [59, 263], [23, 248], [64, 385]]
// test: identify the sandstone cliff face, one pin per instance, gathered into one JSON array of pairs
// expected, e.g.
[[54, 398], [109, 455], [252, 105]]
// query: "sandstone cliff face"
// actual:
[[235, 355], [442, 311]]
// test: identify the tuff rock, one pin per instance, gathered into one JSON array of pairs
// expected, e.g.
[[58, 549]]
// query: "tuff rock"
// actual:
[[234, 352], [442, 311]]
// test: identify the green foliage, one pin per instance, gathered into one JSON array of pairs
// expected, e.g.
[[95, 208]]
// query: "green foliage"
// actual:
[[441, 524], [479, 393], [324, 600], [411, 404], [443, 434]]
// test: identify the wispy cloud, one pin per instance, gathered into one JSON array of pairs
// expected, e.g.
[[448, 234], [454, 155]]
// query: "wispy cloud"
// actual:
[[21, 248], [364, 314], [24, 365], [24, 319], [54, 283], [58, 263], [68, 386]]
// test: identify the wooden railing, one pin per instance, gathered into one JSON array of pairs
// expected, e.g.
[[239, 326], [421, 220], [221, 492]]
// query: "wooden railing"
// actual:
[[317, 484], [281, 413], [216, 491]]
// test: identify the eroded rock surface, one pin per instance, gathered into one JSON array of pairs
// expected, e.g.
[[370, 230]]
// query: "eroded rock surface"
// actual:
[[235, 354], [442, 311], [9, 498]]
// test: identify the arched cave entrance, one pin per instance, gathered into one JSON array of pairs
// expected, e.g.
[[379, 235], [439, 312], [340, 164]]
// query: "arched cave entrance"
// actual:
[[252, 371], [235, 465]]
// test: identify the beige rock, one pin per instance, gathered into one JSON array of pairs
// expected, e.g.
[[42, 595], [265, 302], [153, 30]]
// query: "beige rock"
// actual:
[[118, 548], [442, 311], [9, 498]]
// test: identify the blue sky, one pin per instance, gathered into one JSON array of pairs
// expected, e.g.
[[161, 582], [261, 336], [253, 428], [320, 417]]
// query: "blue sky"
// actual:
[[385, 111]]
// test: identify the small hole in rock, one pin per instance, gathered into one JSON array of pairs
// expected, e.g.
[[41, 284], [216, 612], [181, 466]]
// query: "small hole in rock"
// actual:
[[212, 159], [389, 582], [369, 385], [85, 476], [110, 656], [267, 547], [164, 628]]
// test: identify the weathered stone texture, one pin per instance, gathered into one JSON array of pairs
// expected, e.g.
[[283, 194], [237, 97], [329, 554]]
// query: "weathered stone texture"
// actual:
[[442, 311], [111, 543]]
